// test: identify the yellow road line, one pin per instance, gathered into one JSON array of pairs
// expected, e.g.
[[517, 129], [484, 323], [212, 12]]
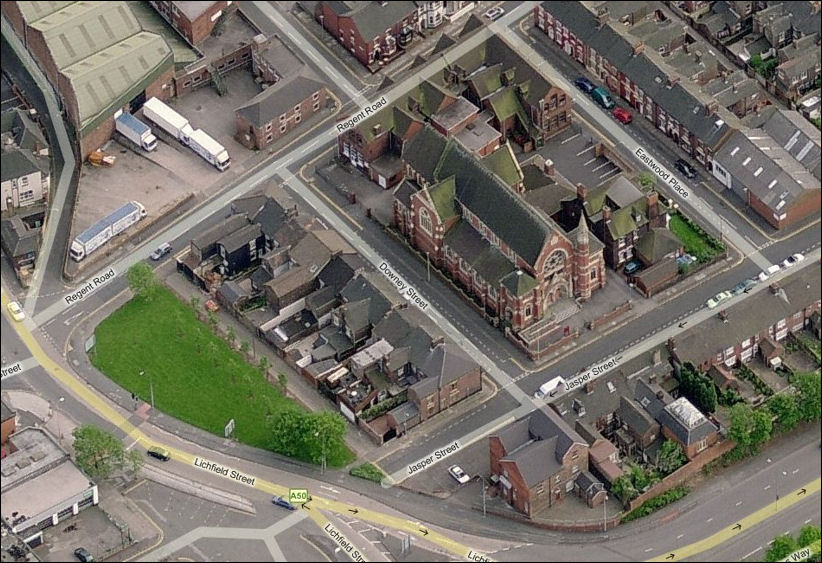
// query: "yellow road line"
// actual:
[[746, 523]]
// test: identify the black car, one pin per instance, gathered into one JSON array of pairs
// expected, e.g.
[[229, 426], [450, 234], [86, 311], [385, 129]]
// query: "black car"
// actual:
[[685, 168], [83, 555], [584, 84]]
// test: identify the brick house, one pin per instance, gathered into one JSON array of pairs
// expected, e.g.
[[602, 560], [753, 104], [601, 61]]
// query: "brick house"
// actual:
[[537, 460], [639, 425], [619, 213], [374, 33], [8, 424], [692, 120], [516, 262], [735, 336], [279, 109], [194, 21]]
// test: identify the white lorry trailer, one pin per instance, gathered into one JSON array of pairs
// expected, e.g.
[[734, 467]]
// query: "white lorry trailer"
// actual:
[[100, 232], [167, 119], [212, 151], [550, 388], [135, 131]]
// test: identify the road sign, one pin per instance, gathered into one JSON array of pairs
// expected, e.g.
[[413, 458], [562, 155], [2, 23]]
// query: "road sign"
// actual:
[[90, 341], [298, 496], [229, 428]]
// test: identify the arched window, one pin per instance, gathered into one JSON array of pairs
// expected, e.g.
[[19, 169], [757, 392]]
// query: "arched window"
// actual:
[[554, 265], [425, 221]]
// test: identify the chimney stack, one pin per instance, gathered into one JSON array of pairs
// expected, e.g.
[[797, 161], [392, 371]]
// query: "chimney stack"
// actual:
[[774, 287], [589, 387], [652, 201], [377, 128], [603, 15], [672, 80], [548, 167], [711, 107], [660, 395], [606, 213], [638, 48], [582, 191]]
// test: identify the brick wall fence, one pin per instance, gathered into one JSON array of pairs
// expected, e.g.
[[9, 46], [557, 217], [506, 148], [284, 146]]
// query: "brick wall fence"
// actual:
[[608, 317], [602, 149], [682, 474], [536, 354], [563, 526]]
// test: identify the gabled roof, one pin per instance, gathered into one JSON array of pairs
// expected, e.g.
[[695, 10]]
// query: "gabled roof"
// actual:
[[503, 163], [446, 363], [651, 397], [424, 152], [270, 216], [239, 238], [444, 196], [373, 18], [281, 98], [519, 283], [536, 461], [636, 417], [686, 422], [17, 163], [656, 244], [17, 238]]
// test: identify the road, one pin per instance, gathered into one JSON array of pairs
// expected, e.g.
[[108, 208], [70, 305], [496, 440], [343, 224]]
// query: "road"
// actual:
[[60, 314]]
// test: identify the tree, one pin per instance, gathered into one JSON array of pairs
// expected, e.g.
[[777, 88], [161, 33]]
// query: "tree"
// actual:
[[809, 395], [323, 429], [141, 280], [288, 428], [671, 457], [282, 380], [308, 436], [697, 388], [624, 489], [98, 453], [781, 547], [646, 180], [762, 428], [786, 411], [741, 416], [809, 534]]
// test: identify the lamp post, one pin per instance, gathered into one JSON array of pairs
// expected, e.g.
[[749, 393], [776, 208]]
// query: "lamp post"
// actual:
[[322, 464], [484, 485], [605, 512], [150, 386], [428, 266]]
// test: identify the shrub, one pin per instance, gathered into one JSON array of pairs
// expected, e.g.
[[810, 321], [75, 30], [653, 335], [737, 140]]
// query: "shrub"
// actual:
[[368, 471], [652, 505]]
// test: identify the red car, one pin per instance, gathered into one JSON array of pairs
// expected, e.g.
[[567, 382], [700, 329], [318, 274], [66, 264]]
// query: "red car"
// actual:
[[623, 115]]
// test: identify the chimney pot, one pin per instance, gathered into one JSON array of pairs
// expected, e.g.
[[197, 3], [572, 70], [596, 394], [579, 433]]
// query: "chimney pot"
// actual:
[[659, 395], [606, 213], [548, 167], [582, 191]]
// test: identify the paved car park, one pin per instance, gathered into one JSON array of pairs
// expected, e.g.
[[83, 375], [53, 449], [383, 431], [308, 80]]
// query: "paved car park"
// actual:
[[573, 154]]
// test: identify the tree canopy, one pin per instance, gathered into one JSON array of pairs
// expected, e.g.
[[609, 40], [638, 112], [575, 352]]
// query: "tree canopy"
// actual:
[[99, 453]]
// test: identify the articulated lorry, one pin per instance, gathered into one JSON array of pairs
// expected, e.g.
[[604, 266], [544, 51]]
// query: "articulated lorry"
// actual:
[[212, 151], [168, 120], [103, 230], [135, 131]]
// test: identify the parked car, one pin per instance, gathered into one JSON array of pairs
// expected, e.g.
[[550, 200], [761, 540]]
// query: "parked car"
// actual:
[[161, 251], [16, 311], [457, 473], [603, 98], [83, 554], [765, 274], [685, 168], [623, 115], [793, 260], [584, 84], [281, 502], [632, 267], [740, 288], [495, 13], [714, 301], [159, 453]]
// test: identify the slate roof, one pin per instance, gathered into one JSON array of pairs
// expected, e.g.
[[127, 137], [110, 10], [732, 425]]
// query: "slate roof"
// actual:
[[489, 263], [16, 163], [798, 136], [271, 216], [408, 329], [340, 270], [17, 124], [657, 243], [680, 101], [215, 233], [686, 422], [373, 18], [278, 99], [651, 397], [424, 152], [321, 301], [750, 316], [444, 196], [601, 401], [519, 283], [446, 363], [536, 461], [636, 417], [404, 412], [503, 163], [239, 238], [18, 239]]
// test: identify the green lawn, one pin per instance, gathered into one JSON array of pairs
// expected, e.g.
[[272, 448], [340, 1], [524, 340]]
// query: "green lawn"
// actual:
[[696, 244], [197, 377]]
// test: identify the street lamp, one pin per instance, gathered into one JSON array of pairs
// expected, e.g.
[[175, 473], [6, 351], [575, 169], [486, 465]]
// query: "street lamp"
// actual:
[[322, 466], [485, 486], [150, 386], [428, 266], [605, 512]]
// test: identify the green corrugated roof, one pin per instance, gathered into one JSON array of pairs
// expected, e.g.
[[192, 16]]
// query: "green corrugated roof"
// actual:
[[503, 163], [505, 104], [444, 195], [519, 283], [656, 243], [33, 11]]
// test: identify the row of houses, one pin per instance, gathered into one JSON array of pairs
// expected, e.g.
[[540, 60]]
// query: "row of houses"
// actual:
[[341, 324], [786, 32], [691, 96], [375, 33], [576, 446]]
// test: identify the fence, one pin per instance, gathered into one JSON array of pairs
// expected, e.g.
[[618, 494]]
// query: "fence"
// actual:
[[608, 317], [682, 474]]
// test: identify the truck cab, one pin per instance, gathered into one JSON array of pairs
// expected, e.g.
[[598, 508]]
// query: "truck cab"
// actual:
[[76, 251], [550, 388]]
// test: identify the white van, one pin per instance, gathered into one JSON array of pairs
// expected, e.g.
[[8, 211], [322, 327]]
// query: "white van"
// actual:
[[765, 274], [550, 388]]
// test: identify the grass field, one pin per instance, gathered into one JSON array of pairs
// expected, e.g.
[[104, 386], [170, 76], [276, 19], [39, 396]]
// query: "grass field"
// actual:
[[197, 377], [695, 243]]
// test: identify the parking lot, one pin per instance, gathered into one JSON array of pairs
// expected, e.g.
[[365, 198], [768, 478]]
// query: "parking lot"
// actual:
[[573, 154]]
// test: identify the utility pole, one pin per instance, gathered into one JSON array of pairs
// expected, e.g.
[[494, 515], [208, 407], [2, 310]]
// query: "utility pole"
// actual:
[[605, 513], [428, 266]]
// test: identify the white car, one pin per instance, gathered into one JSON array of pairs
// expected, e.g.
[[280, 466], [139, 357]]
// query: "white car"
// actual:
[[494, 13], [16, 311], [714, 301], [792, 260], [457, 473], [765, 274]]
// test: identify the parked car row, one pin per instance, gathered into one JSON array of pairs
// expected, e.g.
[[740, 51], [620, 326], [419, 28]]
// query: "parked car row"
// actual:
[[603, 97], [745, 285]]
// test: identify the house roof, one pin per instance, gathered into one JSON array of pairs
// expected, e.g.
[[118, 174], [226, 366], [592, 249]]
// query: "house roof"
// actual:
[[446, 363], [651, 397], [489, 263], [215, 233], [664, 270], [519, 283], [454, 113], [17, 124], [270, 216], [239, 238], [536, 461], [601, 450], [686, 422], [16, 163], [17, 238], [749, 317], [281, 98], [657, 243], [340, 270], [373, 18], [599, 398], [797, 136], [503, 163], [193, 10], [444, 196], [404, 412], [637, 418]]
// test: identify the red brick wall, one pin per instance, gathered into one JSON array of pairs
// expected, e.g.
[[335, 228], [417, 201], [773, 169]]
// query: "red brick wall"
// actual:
[[12, 11], [259, 138], [468, 384], [96, 138], [7, 427]]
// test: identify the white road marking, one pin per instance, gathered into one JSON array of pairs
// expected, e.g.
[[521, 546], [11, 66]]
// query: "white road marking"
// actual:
[[580, 153], [570, 138], [754, 551]]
